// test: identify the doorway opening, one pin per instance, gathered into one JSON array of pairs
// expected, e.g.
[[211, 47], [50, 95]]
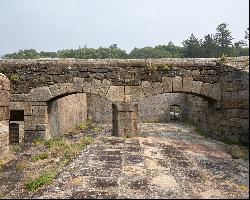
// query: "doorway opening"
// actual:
[[174, 113]]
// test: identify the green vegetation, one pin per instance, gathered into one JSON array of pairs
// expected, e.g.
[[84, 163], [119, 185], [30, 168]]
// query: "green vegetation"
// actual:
[[62, 148], [40, 156], [198, 129], [212, 45], [1, 164], [84, 141], [38, 140], [44, 178], [166, 68], [235, 148], [15, 148], [222, 59], [151, 68], [96, 129], [21, 164], [238, 152], [81, 126], [14, 77], [246, 63]]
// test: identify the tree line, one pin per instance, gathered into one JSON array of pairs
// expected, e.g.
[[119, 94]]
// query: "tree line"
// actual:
[[212, 45]]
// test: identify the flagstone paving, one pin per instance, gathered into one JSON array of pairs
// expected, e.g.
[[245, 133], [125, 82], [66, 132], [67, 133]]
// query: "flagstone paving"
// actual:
[[165, 161]]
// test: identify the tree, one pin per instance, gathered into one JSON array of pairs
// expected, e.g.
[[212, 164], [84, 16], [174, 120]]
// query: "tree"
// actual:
[[113, 46], [247, 34], [209, 47], [224, 39], [192, 47]]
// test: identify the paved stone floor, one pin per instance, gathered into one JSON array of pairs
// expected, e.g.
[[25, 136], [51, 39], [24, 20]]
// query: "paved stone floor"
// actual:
[[165, 161]]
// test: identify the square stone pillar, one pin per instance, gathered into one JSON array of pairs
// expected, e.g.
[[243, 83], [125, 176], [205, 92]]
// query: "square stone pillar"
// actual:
[[124, 118]]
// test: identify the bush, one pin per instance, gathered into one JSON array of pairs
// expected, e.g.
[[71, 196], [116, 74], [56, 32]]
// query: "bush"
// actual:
[[151, 68], [44, 178]]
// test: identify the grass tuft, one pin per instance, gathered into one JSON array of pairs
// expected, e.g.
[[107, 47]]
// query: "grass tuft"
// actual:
[[44, 178], [41, 156], [21, 164], [16, 148]]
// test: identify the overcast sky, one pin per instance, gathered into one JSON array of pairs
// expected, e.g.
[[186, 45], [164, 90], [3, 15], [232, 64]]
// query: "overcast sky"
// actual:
[[51, 25]]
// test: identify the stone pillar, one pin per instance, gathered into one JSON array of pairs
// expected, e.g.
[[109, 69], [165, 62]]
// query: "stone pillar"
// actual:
[[4, 113], [124, 118], [37, 124]]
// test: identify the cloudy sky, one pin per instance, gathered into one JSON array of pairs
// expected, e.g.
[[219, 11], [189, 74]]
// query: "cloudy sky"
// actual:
[[50, 25]]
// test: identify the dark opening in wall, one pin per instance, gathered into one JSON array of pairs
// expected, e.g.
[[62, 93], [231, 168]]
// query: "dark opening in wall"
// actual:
[[17, 115], [14, 133], [174, 113]]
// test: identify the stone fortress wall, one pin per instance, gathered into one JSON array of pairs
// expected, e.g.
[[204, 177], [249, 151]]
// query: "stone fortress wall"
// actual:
[[4, 113], [216, 91]]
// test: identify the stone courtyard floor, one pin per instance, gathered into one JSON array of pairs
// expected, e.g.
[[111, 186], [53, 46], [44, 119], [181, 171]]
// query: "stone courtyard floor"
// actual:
[[165, 161]]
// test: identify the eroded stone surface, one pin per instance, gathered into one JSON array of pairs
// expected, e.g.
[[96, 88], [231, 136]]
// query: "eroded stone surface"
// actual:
[[166, 161]]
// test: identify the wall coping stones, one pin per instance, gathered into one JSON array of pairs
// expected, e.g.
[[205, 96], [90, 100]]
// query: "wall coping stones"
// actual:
[[175, 62]]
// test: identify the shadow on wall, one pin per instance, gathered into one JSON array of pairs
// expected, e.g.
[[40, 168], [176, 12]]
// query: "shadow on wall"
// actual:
[[157, 108], [99, 109], [66, 112]]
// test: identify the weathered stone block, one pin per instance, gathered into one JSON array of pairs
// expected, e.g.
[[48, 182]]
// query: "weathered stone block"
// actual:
[[4, 126], [147, 88], [115, 93], [25, 106], [124, 118], [54, 90], [104, 87], [40, 94], [39, 110], [66, 88], [167, 84], [4, 143], [230, 104], [196, 89], [232, 113], [4, 83], [243, 104], [20, 97], [133, 93], [230, 96], [4, 98], [78, 84], [206, 89], [86, 87], [216, 92], [157, 87], [243, 95], [95, 86], [177, 84], [4, 113], [187, 84], [244, 113], [30, 122]]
